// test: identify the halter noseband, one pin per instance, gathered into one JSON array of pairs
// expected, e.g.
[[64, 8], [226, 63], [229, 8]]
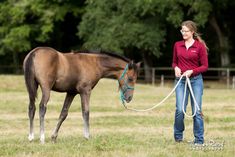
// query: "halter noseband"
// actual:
[[125, 86]]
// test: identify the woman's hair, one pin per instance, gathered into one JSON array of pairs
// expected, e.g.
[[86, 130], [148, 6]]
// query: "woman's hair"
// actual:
[[193, 27]]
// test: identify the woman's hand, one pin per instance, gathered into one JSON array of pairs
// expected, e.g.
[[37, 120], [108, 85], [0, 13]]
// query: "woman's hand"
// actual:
[[177, 72], [188, 73]]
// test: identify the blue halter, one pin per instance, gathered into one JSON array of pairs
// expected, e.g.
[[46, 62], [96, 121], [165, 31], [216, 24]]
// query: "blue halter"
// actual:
[[125, 86]]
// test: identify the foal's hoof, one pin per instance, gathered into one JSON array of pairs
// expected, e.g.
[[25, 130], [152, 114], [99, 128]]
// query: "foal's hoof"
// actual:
[[42, 142], [31, 138], [42, 139], [53, 139], [87, 137]]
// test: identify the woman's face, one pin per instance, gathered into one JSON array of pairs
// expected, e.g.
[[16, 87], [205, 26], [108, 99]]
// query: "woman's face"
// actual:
[[186, 33]]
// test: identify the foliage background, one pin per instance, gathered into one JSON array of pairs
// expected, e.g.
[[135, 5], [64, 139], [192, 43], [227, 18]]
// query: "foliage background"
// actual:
[[139, 29]]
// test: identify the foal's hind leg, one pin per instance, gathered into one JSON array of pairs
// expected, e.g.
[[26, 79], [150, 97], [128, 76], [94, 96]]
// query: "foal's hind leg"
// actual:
[[31, 114], [64, 112], [42, 112], [85, 98]]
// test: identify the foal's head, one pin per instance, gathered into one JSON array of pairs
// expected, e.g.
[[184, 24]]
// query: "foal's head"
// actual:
[[127, 81]]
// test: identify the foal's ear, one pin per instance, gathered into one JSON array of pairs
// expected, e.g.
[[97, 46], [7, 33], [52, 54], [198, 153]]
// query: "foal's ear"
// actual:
[[138, 65], [131, 64]]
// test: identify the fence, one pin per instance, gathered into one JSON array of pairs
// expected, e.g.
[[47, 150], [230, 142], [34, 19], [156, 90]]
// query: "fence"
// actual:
[[161, 74], [10, 69]]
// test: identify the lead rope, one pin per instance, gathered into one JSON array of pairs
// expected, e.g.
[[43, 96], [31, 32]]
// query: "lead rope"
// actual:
[[144, 110], [196, 106], [190, 88]]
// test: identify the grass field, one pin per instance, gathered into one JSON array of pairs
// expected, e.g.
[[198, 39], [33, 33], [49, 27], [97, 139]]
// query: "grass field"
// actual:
[[115, 131]]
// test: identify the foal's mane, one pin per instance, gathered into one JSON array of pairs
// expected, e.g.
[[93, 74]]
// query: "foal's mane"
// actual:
[[102, 52]]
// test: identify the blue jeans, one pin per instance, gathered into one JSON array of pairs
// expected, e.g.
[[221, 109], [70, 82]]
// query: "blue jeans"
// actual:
[[198, 124]]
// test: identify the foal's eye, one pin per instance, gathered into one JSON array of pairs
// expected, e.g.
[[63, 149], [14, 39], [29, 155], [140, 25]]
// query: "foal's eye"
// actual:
[[130, 79]]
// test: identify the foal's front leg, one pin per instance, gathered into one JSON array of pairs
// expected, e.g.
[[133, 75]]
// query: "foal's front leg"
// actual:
[[85, 99], [64, 112]]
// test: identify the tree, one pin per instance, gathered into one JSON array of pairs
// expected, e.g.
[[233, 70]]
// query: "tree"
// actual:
[[145, 28], [27, 23], [121, 25], [13, 32], [220, 20]]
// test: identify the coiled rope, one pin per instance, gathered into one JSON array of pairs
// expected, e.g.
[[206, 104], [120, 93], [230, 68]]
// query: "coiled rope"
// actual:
[[187, 83]]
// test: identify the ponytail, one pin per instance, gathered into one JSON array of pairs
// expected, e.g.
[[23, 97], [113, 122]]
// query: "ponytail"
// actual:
[[198, 37]]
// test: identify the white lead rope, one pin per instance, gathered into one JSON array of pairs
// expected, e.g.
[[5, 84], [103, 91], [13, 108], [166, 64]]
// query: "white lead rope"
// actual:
[[190, 88], [196, 107]]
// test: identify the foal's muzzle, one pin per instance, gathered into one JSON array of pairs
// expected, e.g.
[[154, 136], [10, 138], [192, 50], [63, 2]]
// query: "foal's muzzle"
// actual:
[[128, 99]]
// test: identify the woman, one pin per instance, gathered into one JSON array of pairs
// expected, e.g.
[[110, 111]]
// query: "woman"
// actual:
[[189, 59]]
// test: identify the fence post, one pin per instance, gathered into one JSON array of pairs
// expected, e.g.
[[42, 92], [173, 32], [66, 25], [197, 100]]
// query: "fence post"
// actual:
[[153, 76], [162, 80], [228, 77]]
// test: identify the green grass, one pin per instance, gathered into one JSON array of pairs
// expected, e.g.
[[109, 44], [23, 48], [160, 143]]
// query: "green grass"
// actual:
[[115, 131]]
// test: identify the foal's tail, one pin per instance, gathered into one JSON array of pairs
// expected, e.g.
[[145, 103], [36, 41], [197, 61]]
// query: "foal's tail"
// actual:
[[29, 75]]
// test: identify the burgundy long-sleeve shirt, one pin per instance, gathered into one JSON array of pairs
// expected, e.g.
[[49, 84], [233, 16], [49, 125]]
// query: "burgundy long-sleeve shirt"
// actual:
[[195, 58]]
